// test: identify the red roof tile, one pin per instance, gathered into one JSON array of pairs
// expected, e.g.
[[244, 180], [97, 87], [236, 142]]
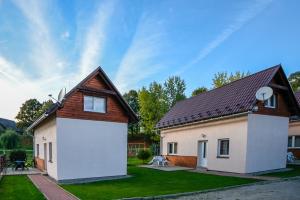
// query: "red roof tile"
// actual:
[[235, 97]]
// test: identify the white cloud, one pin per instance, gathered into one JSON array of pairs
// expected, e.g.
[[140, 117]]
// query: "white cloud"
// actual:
[[141, 59], [15, 89], [242, 19], [95, 38], [43, 53], [65, 35]]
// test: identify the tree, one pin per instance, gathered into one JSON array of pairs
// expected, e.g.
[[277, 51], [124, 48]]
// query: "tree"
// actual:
[[45, 106], [294, 80], [133, 101], [222, 78], [199, 90], [174, 88], [9, 139], [144, 155], [30, 111], [153, 105]]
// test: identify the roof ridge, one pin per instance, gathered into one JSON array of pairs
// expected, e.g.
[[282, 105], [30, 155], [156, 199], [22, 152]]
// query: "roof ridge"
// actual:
[[276, 66]]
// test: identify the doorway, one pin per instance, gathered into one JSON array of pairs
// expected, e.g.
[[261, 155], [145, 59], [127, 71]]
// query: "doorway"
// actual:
[[202, 154], [45, 156]]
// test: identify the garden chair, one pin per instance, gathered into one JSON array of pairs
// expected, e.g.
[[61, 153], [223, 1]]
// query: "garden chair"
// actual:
[[290, 157]]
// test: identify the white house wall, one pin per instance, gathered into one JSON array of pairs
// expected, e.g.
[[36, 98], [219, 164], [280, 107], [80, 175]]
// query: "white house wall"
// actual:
[[91, 149], [266, 143], [46, 133], [233, 129]]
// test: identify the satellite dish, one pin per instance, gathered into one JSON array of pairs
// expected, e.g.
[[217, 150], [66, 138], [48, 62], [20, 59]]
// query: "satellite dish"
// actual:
[[264, 93], [61, 95]]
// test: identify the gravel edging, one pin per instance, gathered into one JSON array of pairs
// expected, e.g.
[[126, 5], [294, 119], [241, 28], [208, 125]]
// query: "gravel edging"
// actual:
[[169, 196]]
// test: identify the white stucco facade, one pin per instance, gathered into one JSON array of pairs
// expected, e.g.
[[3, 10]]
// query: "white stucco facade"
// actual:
[[252, 138], [266, 142], [84, 149], [45, 134]]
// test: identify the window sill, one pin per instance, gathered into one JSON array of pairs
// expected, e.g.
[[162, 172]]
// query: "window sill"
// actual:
[[172, 154], [293, 147], [225, 157], [270, 107], [50, 161], [90, 111]]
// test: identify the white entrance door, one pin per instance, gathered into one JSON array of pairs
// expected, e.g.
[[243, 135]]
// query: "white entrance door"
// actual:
[[45, 156], [202, 152]]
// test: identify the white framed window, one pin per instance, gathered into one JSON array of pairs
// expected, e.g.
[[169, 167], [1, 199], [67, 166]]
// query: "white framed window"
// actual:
[[271, 102], [50, 151], [223, 148], [37, 150], [94, 104], [294, 141], [172, 148]]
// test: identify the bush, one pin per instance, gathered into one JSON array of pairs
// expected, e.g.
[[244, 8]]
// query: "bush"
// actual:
[[144, 155], [17, 155], [9, 139]]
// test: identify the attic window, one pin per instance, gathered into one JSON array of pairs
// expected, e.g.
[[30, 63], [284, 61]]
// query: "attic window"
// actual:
[[94, 104], [271, 102]]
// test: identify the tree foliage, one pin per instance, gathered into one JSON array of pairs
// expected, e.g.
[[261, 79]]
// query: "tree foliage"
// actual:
[[30, 111], [132, 99], [144, 155], [9, 139], [174, 88], [222, 78], [199, 90], [294, 80], [153, 106]]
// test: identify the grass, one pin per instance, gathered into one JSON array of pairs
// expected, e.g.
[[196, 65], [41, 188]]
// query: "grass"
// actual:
[[149, 182], [18, 187], [294, 172]]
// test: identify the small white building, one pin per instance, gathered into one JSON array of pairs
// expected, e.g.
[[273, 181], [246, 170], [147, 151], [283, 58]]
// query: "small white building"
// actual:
[[227, 129], [84, 138], [294, 133]]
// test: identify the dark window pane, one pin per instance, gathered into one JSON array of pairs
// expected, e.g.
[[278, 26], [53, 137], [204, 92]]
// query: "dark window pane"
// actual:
[[297, 141], [290, 141]]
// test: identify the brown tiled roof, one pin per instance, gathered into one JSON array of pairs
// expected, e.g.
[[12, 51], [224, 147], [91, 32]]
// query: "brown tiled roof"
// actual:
[[235, 97]]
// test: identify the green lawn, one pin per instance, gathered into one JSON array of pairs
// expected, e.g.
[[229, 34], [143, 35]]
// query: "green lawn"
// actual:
[[294, 172], [18, 187], [148, 182]]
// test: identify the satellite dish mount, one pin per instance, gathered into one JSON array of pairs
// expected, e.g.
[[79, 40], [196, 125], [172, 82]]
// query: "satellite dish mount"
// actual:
[[264, 93], [61, 96]]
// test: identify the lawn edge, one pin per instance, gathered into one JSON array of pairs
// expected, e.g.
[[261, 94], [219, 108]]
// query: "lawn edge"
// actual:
[[168, 196]]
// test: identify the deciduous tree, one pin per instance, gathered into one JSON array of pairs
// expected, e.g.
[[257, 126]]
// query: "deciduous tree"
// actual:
[[199, 90], [174, 88], [294, 80]]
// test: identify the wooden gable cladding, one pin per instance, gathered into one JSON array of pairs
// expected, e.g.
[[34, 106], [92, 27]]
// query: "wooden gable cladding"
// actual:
[[280, 110], [73, 108], [74, 104], [280, 89], [96, 83]]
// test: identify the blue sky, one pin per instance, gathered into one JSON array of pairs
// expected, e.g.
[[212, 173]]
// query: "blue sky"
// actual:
[[47, 45]]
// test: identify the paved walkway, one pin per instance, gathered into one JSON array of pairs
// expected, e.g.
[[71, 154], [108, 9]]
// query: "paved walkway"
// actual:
[[50, 189], [279, 190], [11, 171], [166, 168], [264, 178]]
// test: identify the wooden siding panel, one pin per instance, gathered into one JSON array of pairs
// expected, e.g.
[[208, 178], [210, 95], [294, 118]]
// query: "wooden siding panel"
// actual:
[[73, 108], [40, 164], [96, 83], [184, 161], [280, 110]]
